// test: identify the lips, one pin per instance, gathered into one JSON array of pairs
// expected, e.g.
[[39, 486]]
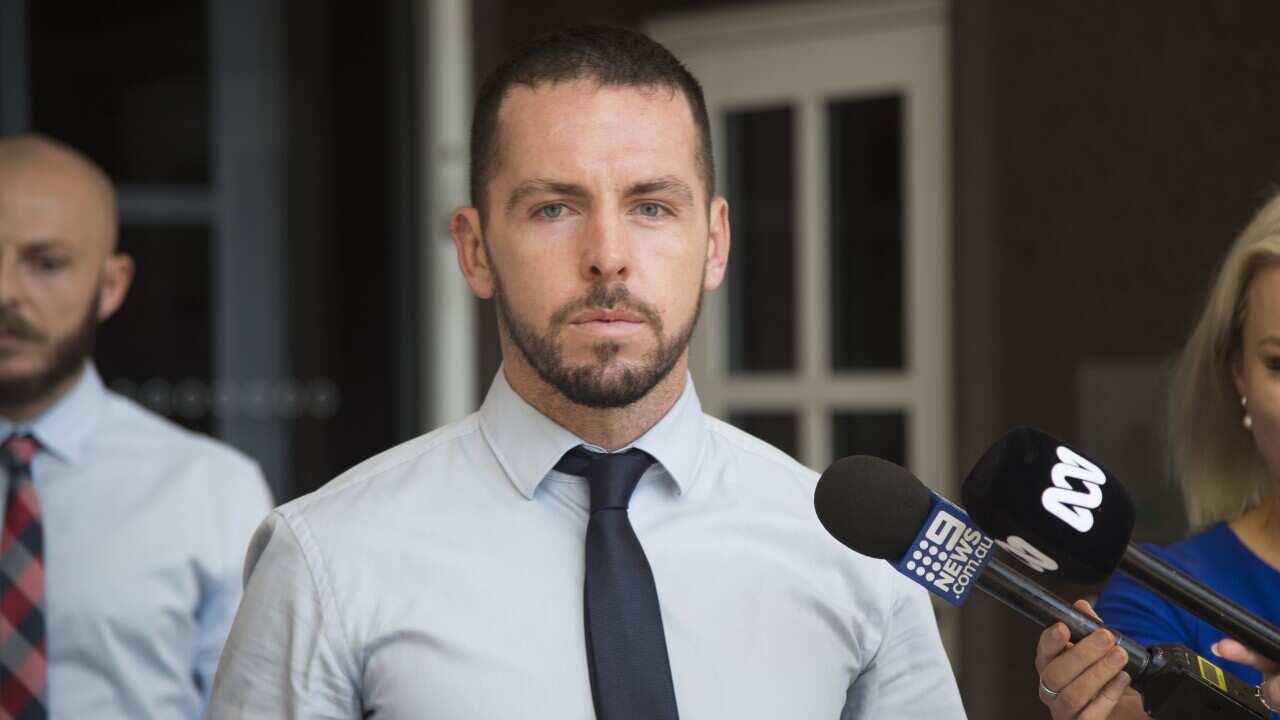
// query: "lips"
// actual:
[[606, 316]]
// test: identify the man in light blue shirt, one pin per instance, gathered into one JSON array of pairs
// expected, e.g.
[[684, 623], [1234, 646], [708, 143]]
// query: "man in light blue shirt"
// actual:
[[143, 524], [445, 578]]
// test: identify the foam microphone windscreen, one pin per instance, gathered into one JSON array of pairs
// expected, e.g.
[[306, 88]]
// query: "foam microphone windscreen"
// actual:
[[871, 505], [1050, 505]]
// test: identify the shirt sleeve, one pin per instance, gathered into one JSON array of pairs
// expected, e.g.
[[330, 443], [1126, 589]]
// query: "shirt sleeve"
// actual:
[[285, 657], [910, 676], [220, 595]]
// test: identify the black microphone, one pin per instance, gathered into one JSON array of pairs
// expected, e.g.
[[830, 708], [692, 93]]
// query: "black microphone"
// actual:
[[1060, 512], [881, 510]]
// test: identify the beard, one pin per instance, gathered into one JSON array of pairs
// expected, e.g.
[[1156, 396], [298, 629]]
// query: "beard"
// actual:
[[592, 384], [68, 357]]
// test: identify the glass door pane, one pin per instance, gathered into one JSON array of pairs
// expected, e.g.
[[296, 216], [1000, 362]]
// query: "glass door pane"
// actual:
[[882, 434], [158, 348], [779, 429], [866, 233], [760, 157], [127, 84]]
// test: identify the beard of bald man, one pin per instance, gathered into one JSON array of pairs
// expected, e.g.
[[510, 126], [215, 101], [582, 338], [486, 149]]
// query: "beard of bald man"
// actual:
[[67, 357]]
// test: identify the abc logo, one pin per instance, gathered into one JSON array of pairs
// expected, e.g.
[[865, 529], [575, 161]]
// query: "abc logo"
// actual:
[[1029, 554], [1072, 503]]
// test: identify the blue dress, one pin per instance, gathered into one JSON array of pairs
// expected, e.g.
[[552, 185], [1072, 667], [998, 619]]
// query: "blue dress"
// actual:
[[1215, 557]]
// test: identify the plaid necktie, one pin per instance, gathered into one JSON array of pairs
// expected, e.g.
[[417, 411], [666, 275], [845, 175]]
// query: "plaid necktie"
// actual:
[[626, 646], [23, 653]]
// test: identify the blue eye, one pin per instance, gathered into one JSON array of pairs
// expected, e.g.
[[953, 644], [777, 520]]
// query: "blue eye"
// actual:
[[551, 212], [650, 210]]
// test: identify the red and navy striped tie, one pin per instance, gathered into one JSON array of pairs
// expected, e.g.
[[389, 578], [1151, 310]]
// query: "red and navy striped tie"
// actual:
[[23, 653]]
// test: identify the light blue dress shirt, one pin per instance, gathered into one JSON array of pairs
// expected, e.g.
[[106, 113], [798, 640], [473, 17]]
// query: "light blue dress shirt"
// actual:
[[145, 528], [443, 580]]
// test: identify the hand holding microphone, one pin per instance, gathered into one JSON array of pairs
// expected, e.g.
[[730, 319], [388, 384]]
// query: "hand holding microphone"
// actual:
[[1088, 674], [880, 510], [1094, 687], [1235, 651], [1061, 513]]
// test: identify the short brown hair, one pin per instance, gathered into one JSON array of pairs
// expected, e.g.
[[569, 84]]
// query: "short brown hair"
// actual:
[[614, 57]]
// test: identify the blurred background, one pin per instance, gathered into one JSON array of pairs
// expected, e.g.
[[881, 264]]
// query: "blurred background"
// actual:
[[949, 219]]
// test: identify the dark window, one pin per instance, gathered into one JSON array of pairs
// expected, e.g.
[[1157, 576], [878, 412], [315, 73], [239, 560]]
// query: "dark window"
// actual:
[[866, 233], [158, 348], [882, 434], [761, 270], [127, 84], [776, 428]]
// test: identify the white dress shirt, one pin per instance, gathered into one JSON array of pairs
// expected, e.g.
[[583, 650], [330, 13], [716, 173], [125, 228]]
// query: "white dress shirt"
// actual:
[[145, 527], [443, 580]]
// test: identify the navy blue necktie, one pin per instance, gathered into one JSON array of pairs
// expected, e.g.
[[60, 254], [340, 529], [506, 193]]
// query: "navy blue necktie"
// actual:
[[626, 648]]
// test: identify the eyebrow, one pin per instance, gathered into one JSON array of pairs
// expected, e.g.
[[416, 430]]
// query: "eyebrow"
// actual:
[[665, 184], [44, 245], [536, 186]]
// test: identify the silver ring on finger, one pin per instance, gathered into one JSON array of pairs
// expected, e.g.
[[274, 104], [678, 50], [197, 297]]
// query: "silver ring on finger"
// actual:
[[1263, 698], [1051, 694]]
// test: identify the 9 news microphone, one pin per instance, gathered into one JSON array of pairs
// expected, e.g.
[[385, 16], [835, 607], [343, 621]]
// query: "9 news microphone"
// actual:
[[1061, 513], [880, 510]]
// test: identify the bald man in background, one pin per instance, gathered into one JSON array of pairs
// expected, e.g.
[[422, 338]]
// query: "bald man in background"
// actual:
[[123, 534]]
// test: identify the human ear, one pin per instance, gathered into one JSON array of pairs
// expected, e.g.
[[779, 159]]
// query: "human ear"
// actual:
[[473, 256], [717, 244], [117, 277]]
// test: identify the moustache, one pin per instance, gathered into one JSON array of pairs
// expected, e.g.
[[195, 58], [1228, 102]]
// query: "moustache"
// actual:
[[13, 324], [608, 297]]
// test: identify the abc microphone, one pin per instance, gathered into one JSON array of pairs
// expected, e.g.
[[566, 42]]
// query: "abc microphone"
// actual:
[[1061, 513], [881, 510]]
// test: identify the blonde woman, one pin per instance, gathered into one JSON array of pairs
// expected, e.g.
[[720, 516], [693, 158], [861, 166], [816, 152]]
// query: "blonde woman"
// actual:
[[1224, 422]]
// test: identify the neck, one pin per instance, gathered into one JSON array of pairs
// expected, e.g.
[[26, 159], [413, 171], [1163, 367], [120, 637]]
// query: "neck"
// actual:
[[1259, 528], [1267, 516], [23, 412], [609, 428]]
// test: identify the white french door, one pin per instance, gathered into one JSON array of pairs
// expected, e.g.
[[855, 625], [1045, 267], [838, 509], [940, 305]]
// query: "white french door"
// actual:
[[833, 333]]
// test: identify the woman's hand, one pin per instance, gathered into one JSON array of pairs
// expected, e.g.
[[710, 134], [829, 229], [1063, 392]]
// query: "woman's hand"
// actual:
[[1235, 651], [1085, 680]]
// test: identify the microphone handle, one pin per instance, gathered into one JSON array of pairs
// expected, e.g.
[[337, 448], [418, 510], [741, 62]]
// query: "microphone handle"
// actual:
[[1044, 608], [1167, 581]]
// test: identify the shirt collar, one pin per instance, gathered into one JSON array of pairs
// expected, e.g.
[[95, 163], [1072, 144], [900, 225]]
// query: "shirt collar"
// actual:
[[528, 444], [67, 424]]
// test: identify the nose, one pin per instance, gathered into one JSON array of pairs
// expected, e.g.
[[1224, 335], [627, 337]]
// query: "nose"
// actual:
[[605, 255]]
